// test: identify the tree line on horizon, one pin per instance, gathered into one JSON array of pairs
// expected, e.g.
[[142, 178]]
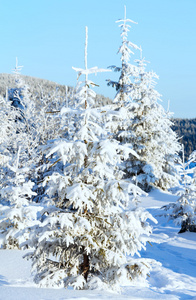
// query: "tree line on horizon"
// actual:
[[186, 131]]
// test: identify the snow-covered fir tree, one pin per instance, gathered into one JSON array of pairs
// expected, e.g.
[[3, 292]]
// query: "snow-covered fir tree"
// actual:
[[124, 85], [183, 212], [122, 103], [145, 124], [152, 137], [91, 225]]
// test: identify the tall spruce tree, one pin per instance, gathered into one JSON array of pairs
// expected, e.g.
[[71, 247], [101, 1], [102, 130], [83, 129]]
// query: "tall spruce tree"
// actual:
[[145, 124]]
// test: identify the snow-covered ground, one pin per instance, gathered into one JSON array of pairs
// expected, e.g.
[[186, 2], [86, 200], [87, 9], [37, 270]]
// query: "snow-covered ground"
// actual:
[[174, 277]]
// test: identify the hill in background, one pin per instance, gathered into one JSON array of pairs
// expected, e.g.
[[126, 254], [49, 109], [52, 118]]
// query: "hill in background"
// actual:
[[39, 87], [36, 85], [185, 128]]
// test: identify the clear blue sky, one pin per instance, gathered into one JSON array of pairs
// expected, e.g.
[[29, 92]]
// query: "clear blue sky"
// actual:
[[48, 39]]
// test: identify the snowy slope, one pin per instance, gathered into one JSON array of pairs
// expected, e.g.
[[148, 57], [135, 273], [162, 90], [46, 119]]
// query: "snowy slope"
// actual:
[[174, 277]]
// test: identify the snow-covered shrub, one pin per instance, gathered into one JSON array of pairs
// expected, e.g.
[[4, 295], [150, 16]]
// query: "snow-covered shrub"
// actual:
[[18, 213], [183, 211]]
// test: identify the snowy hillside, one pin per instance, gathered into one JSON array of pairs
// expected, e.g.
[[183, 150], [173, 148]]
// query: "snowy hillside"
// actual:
[[172, 277], [39, 87]]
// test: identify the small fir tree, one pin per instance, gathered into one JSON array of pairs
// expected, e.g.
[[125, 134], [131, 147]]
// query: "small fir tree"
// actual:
[[183, 212]]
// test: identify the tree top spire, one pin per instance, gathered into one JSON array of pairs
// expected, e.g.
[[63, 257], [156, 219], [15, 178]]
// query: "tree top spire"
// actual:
[[85, 51], [17, 68], [125, 20]]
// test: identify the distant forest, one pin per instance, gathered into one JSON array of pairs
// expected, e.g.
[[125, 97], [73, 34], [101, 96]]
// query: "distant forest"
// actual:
[[185, 128]]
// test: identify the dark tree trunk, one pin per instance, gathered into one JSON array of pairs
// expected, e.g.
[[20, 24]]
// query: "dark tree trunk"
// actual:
[[186, 226], [85, 266]]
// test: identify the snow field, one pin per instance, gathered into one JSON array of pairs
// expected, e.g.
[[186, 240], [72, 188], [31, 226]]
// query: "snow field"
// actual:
[[173, 275]]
